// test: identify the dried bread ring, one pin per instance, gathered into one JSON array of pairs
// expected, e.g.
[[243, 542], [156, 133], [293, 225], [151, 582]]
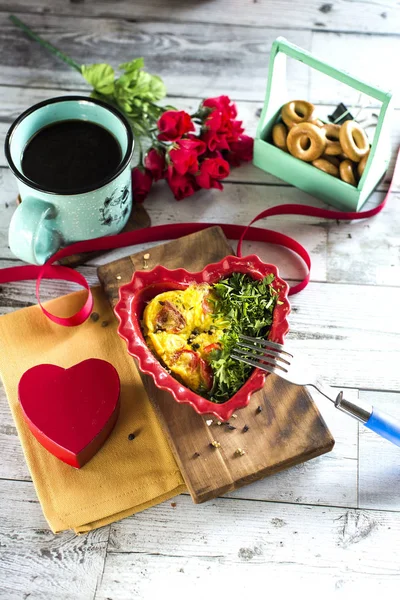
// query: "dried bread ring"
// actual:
[[347, 173], [332, 159], [326, 166], [318, 122], [296, 142], [304, 142], [353, 140], [297, 111], [361, 165], [279, 135], [333, 147]]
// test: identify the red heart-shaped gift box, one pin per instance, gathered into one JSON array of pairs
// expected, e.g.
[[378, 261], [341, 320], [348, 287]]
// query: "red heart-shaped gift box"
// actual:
[[71, 411]]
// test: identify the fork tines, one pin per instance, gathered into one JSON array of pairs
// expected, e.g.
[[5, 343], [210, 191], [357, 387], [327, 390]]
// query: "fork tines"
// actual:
[[263, 354]]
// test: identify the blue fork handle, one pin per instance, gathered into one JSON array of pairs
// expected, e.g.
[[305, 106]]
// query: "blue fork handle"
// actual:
[[384, 425]]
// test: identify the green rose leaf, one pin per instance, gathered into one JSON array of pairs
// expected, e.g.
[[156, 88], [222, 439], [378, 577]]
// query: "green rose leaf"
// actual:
[[134, 65], [157, 88], [100, 76]]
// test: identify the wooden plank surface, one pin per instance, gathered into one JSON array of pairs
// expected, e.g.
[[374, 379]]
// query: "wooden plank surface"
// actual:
[[34, 562], [289, 414], [379, 462], [172, 50], [237, 545], [239, 549], [177, 53], [358, 15]]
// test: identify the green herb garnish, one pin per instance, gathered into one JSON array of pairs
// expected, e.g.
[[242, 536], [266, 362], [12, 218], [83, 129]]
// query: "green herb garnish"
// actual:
[[247, 306]]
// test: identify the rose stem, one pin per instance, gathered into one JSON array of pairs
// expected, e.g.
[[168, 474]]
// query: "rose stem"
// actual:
[[47, 45]]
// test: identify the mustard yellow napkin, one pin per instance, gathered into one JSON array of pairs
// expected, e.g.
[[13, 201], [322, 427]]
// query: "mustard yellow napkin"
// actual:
[[126, 476]]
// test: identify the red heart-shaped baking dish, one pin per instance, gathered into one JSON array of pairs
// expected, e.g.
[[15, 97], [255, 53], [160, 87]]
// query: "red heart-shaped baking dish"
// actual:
[[145, 285]]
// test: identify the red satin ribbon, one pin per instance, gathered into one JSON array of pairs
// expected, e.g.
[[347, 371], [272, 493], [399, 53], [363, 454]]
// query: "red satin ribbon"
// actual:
[[173, 231]]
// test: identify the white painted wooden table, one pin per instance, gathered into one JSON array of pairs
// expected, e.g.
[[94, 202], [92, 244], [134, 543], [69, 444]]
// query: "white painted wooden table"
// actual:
[[330, 527]]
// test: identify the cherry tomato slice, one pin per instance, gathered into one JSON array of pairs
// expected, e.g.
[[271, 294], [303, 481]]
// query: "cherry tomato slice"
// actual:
[[207, 305], [170, 319], [206, 374], [189, 357], [212, 347]]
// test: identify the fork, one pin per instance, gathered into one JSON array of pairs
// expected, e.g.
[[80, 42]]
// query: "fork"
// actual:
[[275, 358]]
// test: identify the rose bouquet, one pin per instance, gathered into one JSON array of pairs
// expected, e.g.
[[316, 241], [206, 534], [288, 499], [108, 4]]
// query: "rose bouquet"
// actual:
[[189, 151], [193, 151]]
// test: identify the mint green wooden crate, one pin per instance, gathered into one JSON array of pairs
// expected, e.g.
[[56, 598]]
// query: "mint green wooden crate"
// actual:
[[301, 174]]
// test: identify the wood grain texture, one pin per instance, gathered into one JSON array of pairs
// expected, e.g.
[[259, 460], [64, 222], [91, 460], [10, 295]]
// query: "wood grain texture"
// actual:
[[22, 294], [379, 481], [288, 431], [12, 465], [178, 54], [359, 15], [345, 331], [330, 479], [238, 548], [34, 562], [174, 51]]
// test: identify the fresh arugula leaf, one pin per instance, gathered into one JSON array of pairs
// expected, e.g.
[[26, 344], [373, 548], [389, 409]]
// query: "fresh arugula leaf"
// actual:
[[100, 76], [247, 306]]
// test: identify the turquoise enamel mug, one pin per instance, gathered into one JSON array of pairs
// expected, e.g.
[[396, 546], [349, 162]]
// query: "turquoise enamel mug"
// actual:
[[46, 219]]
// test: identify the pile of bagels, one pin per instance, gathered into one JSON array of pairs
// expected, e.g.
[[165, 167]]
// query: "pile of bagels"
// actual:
[[339, 150]]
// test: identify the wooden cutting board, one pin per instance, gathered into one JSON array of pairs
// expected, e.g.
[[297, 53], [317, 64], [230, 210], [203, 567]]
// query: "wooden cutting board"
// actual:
[[284, 425]]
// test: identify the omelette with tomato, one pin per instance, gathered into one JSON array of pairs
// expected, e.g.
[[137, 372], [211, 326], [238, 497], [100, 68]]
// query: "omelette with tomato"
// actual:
[[182, 331]]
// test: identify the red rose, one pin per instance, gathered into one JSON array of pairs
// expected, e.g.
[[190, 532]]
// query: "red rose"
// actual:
[[241, 150], [233, 131], [155, 163], [141, 183], [215, 140], [214, 120], [184, 154], [192, 142], [184, 160], [173, 124], [220, 129], [223, 104], [211, 171], [182, 186]]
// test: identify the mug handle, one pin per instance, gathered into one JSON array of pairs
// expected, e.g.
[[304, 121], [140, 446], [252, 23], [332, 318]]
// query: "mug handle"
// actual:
[[32, 236]]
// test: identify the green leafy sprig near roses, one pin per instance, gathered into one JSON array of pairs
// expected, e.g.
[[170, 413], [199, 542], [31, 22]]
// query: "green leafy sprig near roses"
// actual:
[[167, 146], [135, 92]]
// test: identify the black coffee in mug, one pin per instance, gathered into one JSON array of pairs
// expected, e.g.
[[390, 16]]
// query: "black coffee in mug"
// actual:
[[69, 156]]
